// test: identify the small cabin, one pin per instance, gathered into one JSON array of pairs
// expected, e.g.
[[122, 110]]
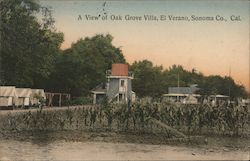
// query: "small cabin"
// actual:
[[185, 95]]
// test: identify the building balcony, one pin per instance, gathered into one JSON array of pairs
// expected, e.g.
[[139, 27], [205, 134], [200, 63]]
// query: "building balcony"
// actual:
[[110, 75]]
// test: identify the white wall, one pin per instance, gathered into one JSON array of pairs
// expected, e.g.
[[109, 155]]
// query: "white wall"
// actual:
[[10, 101], [26, 101], [6, 101], [125, 87], [3, 101]]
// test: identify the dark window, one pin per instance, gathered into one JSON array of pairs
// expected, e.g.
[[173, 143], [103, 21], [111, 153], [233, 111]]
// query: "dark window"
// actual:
[[120, 97], [122, 83]]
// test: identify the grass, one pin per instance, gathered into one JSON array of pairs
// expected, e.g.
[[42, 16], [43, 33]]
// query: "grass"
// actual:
[[119, 123]]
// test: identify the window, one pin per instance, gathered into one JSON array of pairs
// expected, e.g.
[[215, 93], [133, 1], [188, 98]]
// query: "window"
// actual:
[[120, 97], [122, 83]]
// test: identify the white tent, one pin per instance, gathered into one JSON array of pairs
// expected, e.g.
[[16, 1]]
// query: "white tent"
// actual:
[[35, 95], [23, 96], [7, 95], [190, 100]]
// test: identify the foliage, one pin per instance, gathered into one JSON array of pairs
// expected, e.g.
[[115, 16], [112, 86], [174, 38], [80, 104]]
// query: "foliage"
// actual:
[[148, 79], [153, 81], [190, 119], [40, 98], [28, 47], [85, 65], [80, 101]]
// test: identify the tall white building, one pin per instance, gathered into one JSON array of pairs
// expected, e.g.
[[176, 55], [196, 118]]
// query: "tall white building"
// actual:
[[118, 87]]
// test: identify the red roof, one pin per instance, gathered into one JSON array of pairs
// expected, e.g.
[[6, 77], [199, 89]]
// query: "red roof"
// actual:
[[119, 69]]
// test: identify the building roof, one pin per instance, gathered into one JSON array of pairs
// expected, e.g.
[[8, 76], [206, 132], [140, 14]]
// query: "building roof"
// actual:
[[182, 90], [101, 88], [219, 96], [179, 94], [23, 92], [119, 70], [7, 91]]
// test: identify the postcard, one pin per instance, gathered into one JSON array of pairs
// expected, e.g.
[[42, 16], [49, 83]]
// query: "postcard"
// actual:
[[124, 80]]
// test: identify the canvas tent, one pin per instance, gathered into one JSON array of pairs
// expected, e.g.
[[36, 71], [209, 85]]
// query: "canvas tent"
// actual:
[[37, 94], [190, 99], [23, 96], [7, 95]]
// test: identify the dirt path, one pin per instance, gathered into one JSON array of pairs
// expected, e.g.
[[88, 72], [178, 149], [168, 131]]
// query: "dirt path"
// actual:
[[5, 112], [10, 150]]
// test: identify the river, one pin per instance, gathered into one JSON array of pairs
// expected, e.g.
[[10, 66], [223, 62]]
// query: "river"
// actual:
[[70, 150]]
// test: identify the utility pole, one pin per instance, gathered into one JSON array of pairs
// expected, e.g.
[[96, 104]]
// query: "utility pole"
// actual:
[[229, 88], [178, 85], [178, 81]]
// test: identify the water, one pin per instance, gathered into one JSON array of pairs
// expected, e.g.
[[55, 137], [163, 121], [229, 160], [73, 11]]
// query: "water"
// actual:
[[68, 150]]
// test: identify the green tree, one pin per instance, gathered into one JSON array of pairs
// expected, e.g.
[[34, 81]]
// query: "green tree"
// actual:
[[83, 66], [28, 45], [148, 79], [153, 81], [216, 84]]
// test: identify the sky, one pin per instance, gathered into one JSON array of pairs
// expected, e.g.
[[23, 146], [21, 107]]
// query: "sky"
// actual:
[[211, 47]]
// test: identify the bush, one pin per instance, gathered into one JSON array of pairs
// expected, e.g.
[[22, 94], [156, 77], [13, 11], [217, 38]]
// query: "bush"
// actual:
[[80, 101]]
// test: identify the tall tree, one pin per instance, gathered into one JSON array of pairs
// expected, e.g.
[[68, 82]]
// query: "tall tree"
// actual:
[[83, 66], [148, 79], [28, 45], [153, 81]]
